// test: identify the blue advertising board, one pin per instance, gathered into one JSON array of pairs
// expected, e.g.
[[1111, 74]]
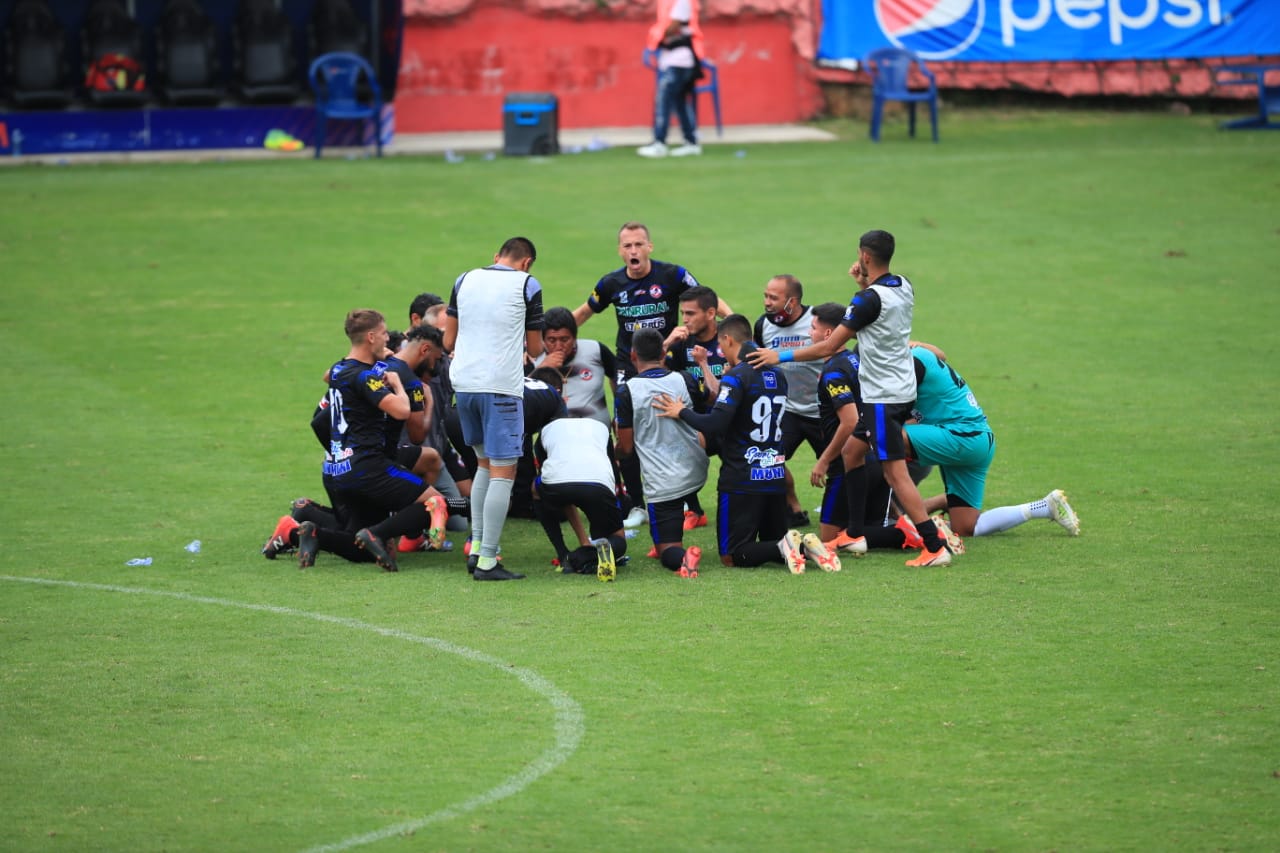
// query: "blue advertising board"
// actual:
[[1059, 30]]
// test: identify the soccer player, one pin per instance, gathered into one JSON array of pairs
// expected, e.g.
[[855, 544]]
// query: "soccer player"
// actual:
[[577, 472], [786, 324], [953, 434], [855, 501], [751, 518], [671, 455], [365, 484], [880, 314], [694, 347], [645, 294], [585, 366], [493, 321]]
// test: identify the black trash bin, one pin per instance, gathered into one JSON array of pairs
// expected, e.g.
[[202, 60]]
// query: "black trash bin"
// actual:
[[530, 124]]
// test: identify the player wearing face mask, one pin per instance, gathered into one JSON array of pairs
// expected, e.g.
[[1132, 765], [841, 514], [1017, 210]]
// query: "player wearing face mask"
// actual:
[[786, 324]]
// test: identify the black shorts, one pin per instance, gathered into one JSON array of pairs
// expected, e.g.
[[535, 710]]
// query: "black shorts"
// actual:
[[598, 503], [407, 456], [372, 489], [796, 430], [742, 519], [666, 521], [884, 421]]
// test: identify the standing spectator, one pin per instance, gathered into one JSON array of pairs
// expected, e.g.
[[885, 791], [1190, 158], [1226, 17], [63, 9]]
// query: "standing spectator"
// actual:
[[677, 38], [880, 314], [751, 522], [493, 321], [786, 324], [645, 294]]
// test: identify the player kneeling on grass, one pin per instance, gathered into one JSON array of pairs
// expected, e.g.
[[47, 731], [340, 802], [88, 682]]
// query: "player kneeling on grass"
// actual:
[[752, 509], [577, 471]]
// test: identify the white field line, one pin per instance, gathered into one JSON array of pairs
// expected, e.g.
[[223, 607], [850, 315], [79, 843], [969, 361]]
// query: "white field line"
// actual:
[[569, 724]]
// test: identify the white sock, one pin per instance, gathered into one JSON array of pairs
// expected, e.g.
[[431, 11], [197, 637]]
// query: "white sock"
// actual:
[[497, 501], [1001, 518], [479, 488]]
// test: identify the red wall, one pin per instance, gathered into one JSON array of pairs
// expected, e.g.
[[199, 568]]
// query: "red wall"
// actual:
[[455, 72]]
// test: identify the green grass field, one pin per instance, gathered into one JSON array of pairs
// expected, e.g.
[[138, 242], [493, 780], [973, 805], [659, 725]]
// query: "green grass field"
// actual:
[[1108, 285]]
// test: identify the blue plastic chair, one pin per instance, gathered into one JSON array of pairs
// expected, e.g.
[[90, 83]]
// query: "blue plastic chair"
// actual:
[[890, 70], [336, 80], [710, 85]]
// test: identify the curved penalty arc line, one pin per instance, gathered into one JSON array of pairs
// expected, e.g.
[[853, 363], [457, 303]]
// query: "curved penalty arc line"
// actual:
[[569, 721]]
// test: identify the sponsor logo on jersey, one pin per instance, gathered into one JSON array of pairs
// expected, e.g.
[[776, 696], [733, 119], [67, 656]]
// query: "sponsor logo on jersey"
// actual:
[[838, 389], [770, 380], [765, 457], [655, 291], [585, 374], [375, 384]]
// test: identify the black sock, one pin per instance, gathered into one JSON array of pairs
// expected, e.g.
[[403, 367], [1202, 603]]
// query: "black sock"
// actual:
[[321, 516], [885, 537], [550, 520], [695, 506], [458, 506], [342, 543], [855, 496], [929, 533], [410, 521], [757, 554]]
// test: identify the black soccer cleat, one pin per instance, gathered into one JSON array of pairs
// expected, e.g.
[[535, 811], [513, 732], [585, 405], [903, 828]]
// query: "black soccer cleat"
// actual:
[[382, 555], [497, 573], [308, 544]]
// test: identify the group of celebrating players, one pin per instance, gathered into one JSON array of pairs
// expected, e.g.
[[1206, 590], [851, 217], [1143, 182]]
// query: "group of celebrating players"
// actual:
[[490, 406]]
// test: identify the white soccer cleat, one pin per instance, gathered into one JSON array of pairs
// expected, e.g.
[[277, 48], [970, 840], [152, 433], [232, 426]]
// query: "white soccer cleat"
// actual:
[[1062, 512], [819, 553], [954, 543], [792, 549], [636, 518], [653, 149], [689, 149]]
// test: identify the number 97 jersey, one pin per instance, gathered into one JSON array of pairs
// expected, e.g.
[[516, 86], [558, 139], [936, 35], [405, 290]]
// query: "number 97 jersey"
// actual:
[[751, 460]]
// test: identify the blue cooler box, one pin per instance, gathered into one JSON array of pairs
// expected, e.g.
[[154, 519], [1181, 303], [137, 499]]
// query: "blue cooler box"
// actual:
[[530, 124]]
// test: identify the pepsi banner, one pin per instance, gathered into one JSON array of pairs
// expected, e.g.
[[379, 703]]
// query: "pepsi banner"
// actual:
[[1036, 30]]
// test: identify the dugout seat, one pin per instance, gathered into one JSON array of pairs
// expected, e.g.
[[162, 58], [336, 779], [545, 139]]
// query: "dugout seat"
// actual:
[[337, 79], [266, 70], [187, 55], [114, 63], [334, 27], [35, 57], [890, 69], [710, 85]]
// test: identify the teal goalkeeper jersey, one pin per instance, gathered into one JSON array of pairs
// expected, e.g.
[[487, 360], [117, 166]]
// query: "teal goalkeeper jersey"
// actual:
[[942, 396]]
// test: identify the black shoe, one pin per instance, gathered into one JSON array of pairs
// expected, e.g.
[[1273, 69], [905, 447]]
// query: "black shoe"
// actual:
[[497, 573], [799, 518], [308, 544], [473, 563], [381, 554]]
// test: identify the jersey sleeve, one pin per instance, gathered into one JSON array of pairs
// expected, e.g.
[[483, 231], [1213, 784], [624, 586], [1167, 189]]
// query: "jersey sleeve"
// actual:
[[452, 309], [533, 305], [602, 297], [863, 310], [608, 361], [622, 408]]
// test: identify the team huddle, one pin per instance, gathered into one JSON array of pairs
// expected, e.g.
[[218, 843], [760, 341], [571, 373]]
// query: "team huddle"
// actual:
[[489, 407]]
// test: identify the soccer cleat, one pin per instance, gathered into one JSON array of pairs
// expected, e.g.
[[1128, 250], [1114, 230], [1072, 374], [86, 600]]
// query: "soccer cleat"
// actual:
[[653, 552], [819, 553], [308, 544], [653, 149], [846, 544], [689, 564], [279, 542], [693, 519], [606, 567], [792, 549], [409, 544], [439, 520], [954, 543], [491, 571], [914, 541], [689, 149], [940, 557], [1062, 512], [368, 541], [635, 518]]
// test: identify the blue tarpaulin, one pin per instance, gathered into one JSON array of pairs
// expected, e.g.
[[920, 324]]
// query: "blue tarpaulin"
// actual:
[[1060, 30]]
